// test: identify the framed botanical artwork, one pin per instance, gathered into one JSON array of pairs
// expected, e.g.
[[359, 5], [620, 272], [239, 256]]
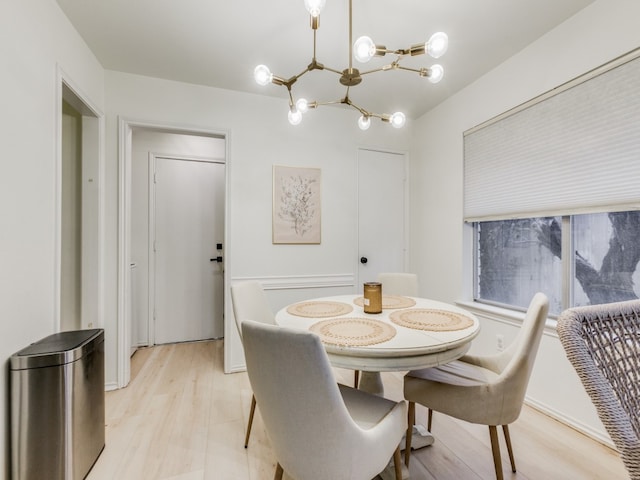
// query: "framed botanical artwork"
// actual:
[[296, 205]]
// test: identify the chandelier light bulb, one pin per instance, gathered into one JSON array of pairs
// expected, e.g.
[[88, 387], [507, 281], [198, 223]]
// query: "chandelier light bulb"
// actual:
[[398, 120], [437, 44], [314, 7], [295, 116], [436, 72], [262, 74], [364, 122], [364, 49], [302, 105]]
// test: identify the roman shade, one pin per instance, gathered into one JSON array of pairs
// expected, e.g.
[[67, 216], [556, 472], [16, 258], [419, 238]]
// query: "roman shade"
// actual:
[[575, 149]]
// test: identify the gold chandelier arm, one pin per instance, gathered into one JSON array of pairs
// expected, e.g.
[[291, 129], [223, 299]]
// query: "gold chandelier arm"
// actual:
[[293, 79], [423, 72], [391, 66], [331, 102], [361, 110], [290, 81], [291, 100], [315, 31], [339, 72], [347, 101]]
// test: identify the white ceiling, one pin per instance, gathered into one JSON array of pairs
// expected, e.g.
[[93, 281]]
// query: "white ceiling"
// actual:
[[219, 43]]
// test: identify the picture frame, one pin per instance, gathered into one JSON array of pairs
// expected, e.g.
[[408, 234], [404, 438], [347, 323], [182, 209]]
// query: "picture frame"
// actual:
[[296, 217]]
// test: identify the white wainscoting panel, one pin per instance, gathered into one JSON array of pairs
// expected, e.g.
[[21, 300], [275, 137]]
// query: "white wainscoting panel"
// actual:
[[282, 291]]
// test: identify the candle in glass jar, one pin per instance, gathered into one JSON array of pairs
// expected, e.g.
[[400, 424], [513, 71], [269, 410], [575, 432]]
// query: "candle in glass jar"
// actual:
[[372, 297]]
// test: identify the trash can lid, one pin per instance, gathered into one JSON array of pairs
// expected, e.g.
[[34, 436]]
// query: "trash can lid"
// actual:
[[57, 349]]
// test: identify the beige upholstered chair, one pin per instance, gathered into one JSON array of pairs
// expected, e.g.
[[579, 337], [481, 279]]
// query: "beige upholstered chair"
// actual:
[[250, 303], [602, 343], [487, 390], [318, 429], [399, 284]]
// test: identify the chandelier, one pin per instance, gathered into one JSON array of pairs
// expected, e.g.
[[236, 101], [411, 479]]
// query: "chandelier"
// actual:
[[363, 50]]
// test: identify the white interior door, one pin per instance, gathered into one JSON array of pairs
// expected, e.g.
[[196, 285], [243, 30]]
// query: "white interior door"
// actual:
[[381, 213], [189, 228]]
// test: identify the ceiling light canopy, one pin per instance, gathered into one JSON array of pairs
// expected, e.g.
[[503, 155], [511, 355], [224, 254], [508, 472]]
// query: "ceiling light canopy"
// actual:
[[363, 50]]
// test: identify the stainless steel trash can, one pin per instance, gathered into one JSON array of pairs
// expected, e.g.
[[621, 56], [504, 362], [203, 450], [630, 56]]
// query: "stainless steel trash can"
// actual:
[[57, 406]]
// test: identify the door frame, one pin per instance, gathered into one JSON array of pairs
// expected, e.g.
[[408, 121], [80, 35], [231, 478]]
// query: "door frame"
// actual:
[[93, 126], [405, 233], [125, 132], [153, 156]]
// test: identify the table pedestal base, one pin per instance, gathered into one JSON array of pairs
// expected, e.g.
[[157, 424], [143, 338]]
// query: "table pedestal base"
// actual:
[[420, 438], [371, 382]]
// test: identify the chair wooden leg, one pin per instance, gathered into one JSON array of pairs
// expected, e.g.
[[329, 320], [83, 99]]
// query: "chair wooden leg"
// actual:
[[279, 472], [495, 448], [507, 438], [397, 462], [356, 378], [411, 420], [429, 419], [250, 422]]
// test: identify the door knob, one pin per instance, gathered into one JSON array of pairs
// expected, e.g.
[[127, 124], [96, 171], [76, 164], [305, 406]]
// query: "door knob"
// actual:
[[364, 260], [217, 259]]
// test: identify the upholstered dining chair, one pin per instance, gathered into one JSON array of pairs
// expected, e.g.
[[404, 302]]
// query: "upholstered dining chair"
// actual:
[[318, 429], [602, 342], [486, 390], [250, 303], [399, 284]]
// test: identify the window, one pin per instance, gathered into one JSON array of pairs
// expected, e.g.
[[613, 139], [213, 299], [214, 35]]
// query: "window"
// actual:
[[598, 264], [514, 261], [606, 254], [551, 189]]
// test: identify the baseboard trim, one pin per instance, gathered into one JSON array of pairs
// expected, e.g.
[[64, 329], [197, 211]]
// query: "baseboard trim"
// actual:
[[110, 386], [571, 422]]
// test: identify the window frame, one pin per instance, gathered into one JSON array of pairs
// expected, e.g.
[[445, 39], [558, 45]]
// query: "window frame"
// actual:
[[568, 256], [566, 268]]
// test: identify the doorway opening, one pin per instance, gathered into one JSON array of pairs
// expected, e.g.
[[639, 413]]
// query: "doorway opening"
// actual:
[[78, 284], [170, 176]]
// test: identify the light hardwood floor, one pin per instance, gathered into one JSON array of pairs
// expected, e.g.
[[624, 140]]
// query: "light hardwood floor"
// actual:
[[182, 418]]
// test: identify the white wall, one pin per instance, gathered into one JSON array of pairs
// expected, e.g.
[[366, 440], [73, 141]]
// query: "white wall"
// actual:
[[601, 32], [259, 136], [35, 38]]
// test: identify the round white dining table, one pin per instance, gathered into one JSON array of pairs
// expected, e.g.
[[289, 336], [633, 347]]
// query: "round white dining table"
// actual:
[[409, 333], [416, 333]]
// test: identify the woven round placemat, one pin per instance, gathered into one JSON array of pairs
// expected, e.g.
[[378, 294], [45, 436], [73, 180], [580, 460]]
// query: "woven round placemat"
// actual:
[[319, 309], [353, 332], [390, 301], [428, 319]]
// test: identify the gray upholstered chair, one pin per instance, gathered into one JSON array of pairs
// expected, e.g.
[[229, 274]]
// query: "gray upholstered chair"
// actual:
[[399, 284], [487, 390], [250, 303], [318, 429], [602, 342]]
